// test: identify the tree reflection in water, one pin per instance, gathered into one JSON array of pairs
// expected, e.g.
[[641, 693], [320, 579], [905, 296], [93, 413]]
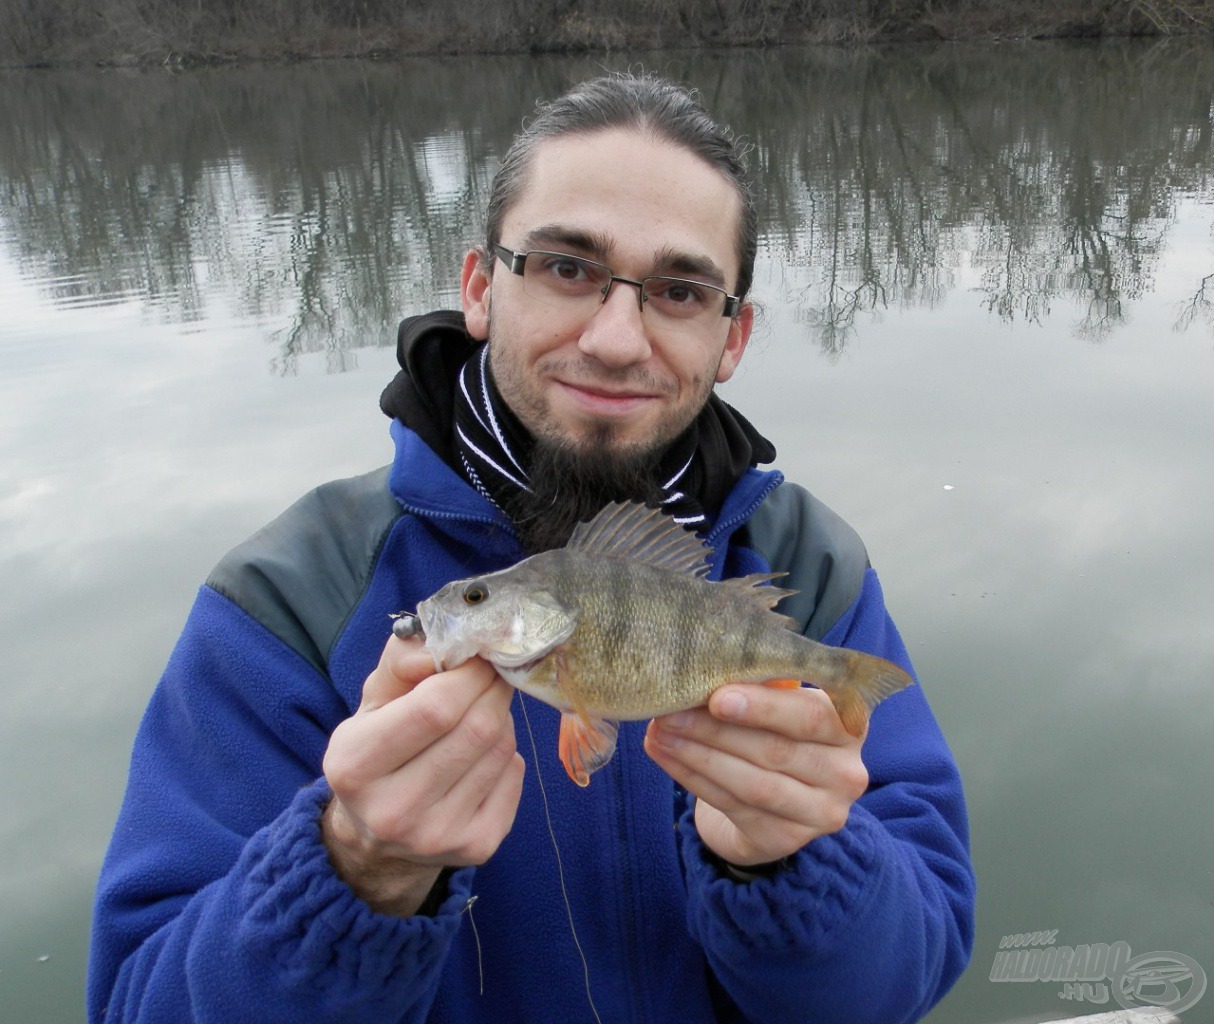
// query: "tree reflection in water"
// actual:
[[329, 200]]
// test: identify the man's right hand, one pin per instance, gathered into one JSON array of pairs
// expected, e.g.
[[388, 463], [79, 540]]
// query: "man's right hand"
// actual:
[[425, 775]]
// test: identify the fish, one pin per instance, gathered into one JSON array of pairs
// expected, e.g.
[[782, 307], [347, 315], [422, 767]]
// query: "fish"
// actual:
[[622, 624]]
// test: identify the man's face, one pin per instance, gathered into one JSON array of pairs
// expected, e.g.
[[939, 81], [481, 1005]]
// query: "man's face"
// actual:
[[642, 207]]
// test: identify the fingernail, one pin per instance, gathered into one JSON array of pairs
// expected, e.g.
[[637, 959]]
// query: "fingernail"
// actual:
[[667, 740], [732, 704], [676, 722]]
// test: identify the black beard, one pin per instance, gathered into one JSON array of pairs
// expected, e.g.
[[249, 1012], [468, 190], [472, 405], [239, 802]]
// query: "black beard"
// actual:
[[570, 482]]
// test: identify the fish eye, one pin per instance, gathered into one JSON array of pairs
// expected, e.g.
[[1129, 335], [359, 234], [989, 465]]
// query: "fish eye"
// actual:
[[475, 593]]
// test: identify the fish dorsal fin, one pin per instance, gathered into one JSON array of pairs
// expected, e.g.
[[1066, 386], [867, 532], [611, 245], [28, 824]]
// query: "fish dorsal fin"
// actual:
[[752, 588], [630, 530]]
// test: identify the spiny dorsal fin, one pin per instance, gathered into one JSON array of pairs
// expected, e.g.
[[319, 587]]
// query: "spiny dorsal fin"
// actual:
[[629, 530], [751, 588]]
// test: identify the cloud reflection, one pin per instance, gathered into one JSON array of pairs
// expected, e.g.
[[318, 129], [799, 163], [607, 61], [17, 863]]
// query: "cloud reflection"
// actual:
[[334, 203], [944, 234]]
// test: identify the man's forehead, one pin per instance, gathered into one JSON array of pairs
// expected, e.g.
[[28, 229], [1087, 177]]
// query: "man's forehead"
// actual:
[[623, 194]]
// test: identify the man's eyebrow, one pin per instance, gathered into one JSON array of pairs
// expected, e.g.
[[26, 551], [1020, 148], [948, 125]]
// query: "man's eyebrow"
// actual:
[[685, 264], [595, 245], [586, 243]]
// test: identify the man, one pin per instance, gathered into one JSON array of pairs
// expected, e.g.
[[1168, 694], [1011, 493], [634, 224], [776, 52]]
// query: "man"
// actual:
[[319, 826]]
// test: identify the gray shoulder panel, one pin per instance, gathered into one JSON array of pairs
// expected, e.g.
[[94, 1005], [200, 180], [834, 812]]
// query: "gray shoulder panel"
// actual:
[[301, 575], [824, 557]]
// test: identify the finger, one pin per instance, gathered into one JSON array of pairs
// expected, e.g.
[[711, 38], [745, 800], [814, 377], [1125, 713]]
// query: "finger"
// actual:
[[696, 783], [838, 770], [465, 824], [805, 713], [808, 761], [486, 725], [764, 807], [404, 806], [402, 665], [733, 784], [739, 833], [373, 745], [486, 800]]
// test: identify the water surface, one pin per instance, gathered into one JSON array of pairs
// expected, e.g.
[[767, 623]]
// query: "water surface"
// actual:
[[987, 280]]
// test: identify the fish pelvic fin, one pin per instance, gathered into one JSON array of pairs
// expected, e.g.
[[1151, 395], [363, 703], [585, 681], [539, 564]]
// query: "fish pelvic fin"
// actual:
[[585, 745], [783, 684], [858, 683], [631, 531]]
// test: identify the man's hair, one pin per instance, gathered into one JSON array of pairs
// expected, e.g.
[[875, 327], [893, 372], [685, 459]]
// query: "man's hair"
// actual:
[[644, 103]]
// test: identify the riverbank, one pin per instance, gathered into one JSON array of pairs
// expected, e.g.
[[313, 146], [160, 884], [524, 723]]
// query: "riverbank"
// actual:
[[46, 33]]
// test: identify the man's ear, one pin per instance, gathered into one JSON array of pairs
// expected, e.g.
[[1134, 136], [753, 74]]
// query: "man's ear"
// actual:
[[735, 344], [474, 284]]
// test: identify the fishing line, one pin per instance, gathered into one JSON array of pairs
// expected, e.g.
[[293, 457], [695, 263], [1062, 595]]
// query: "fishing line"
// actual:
[[560, 870], [480, 963]]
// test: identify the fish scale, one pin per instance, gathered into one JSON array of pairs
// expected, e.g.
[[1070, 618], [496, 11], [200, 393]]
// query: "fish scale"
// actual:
[[667, 651], [621, 624]]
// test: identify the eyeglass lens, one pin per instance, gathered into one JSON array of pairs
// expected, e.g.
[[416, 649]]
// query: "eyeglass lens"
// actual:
[[581, 285]]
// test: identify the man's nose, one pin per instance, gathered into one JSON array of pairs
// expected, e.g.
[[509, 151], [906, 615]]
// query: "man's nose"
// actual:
[[616, 334]]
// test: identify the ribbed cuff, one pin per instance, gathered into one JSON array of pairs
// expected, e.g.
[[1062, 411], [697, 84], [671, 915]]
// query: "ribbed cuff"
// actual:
[[316, 928], [819, 892]]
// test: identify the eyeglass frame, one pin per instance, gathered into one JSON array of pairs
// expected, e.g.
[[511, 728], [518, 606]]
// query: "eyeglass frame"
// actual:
[[517, 261]]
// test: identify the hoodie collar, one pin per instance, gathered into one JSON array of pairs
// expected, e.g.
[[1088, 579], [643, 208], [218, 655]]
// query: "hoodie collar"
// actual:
[[432, 348]]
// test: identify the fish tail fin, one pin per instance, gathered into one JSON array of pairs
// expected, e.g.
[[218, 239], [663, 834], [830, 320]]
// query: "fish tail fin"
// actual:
[[585, 745], [856, 683]]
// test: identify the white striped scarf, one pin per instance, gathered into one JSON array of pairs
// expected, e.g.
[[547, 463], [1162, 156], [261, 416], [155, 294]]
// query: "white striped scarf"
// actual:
[[494, 448]]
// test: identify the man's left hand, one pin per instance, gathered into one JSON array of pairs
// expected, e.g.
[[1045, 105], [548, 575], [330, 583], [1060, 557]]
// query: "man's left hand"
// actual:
[[772, 769]]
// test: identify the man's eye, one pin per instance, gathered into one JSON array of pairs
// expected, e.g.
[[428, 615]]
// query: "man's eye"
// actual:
[[565, 269], [679, 293]]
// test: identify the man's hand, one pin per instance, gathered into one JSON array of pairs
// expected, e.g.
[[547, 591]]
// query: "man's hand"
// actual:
[[425, 775], [771, 769]]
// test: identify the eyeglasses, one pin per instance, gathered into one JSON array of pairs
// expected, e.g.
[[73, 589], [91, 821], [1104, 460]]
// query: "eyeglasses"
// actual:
[[580, 286]]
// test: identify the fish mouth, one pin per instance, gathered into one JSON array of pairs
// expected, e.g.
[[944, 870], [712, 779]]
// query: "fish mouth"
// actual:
[[443, 642], [435, 632]]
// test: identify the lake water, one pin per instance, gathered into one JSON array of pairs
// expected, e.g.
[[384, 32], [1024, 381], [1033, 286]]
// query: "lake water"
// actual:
[[987, 280]]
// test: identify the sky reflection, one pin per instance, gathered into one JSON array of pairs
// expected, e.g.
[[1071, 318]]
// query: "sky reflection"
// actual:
[[1056, 600]]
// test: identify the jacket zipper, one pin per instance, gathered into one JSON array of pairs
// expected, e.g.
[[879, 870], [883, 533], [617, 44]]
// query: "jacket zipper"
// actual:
[[631, 940]]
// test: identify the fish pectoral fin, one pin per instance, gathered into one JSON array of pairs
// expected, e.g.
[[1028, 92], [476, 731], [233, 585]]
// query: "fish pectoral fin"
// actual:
[[585, 745]]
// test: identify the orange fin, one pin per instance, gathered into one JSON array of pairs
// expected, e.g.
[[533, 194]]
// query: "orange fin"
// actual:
[[585, 745], [783, 684], [869, 681], [853, 711]]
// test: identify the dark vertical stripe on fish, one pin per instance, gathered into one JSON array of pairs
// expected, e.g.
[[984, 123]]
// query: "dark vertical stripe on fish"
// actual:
[[756, 629], [618, 635], [687, 632]]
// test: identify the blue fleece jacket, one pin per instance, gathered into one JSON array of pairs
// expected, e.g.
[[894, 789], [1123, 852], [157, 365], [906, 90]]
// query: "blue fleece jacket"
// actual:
[[217, 902]]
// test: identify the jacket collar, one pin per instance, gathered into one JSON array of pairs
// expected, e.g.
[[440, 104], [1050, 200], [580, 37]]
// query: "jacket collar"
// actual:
[[424, 484]]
